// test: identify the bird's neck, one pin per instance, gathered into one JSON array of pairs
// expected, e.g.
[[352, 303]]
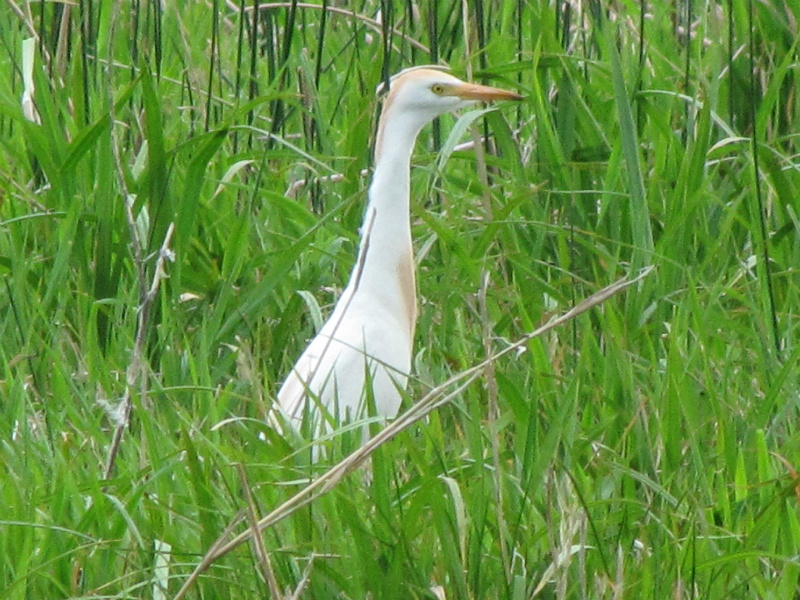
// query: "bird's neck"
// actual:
[[385, 268]]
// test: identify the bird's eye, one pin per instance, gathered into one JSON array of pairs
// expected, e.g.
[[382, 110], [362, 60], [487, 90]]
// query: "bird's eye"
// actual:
[[438, 89]]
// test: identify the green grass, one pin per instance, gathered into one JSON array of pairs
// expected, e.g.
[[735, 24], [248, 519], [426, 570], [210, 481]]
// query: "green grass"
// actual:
[[647, 449]]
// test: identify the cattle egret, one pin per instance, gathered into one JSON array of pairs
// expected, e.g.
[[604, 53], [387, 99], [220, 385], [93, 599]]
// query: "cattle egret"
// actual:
[[362, 355]]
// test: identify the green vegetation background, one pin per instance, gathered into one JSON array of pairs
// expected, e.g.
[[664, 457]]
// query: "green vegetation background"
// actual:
[[647, 450]]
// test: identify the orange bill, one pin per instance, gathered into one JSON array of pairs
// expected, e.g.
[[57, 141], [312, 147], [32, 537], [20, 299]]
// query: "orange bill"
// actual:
[[484, 93]]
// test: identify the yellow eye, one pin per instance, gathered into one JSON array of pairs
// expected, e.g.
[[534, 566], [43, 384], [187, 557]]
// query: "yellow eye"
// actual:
[[437, 88]]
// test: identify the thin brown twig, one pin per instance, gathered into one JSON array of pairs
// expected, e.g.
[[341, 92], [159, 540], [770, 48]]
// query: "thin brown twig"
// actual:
[[25, 17], [137, 371], [303, 584], [437, 397], [477, 138], [493, 414], [261, 551]]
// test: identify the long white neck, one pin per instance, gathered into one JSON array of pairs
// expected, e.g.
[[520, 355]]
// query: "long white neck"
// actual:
[[385, 267]]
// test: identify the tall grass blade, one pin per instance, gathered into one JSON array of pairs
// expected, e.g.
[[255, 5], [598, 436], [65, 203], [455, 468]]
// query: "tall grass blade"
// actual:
[[642, 235]]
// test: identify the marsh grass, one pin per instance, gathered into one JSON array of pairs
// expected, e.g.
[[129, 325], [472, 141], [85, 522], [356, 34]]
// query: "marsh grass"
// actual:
[[647, 449]]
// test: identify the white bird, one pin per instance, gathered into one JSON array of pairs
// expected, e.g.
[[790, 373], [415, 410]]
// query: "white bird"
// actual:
[[366, 343]]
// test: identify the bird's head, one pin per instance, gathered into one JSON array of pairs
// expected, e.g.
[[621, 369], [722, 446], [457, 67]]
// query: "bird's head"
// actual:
[[421, 94]]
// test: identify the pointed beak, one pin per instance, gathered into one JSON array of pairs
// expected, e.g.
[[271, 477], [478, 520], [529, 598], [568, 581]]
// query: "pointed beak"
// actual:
[[483, 93]]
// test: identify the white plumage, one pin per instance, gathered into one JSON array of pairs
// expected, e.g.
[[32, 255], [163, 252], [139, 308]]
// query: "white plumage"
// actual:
[[367, 341]]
